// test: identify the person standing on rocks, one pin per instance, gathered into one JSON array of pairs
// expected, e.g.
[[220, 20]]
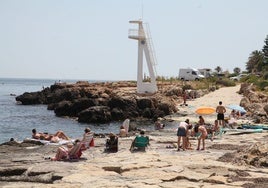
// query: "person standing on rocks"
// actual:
[[220, 116], [184, 96], [215, 129], [181, 133], [203, 135]]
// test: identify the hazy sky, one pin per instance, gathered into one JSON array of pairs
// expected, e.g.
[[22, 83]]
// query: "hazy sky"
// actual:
[[88, 39]]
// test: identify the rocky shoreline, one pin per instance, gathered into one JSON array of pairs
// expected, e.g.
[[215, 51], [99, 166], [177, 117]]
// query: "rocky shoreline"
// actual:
[[235, 160], [102, 102], [115, 101]]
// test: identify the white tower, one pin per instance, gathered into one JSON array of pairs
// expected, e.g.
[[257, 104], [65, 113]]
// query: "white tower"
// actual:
[[144, 46]]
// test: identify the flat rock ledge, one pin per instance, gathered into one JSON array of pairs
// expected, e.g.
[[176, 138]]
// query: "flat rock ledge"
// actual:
[[232, 161]]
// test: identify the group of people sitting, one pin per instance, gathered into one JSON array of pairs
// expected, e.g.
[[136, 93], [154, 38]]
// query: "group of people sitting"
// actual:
[[74, 149], [233, 117], [138, 144]]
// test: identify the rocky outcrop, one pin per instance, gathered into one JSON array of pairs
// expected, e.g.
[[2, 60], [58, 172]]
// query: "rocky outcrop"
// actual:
[[254, 102], [104, 102]]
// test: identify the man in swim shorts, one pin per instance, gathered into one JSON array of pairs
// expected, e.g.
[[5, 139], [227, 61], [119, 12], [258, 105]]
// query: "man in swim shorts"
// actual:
[[220, 116]]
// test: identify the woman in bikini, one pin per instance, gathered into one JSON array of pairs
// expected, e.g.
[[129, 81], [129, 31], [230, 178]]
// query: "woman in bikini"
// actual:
[[203, 135]]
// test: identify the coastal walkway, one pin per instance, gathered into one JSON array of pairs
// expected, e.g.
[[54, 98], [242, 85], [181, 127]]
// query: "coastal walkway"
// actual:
[[228, 95]]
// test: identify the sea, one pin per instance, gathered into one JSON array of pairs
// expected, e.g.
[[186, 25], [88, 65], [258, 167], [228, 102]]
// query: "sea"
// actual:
[[17, 121]]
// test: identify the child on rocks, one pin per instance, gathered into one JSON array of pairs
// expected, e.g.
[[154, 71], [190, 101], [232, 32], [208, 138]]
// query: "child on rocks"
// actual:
[[215, 128]]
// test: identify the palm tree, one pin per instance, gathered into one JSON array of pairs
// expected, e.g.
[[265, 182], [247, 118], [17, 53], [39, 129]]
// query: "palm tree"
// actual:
[[255, 61]]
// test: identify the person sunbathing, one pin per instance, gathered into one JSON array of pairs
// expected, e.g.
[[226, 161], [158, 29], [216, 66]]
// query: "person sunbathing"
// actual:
[[88, 139], [36, 135], [72, 151], [122, 131], [49, 137]]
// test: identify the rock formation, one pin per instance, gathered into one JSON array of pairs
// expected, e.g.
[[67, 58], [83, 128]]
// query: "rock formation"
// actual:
[[254, 102], [104, 102]]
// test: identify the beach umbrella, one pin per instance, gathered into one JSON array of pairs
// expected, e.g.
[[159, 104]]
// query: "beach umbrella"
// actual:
[[237, 108], [205, 110]]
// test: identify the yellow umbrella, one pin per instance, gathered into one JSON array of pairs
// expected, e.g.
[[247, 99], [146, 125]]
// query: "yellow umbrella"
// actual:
[[204, 110]]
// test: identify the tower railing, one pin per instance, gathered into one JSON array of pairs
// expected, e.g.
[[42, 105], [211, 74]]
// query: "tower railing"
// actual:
[[150, 46], [135, 34]]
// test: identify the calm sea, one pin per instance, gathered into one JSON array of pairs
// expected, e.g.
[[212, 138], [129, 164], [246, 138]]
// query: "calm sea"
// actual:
[[17, 121]]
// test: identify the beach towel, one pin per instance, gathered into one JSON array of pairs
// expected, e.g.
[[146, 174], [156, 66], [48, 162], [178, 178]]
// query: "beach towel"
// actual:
[[46, 142]]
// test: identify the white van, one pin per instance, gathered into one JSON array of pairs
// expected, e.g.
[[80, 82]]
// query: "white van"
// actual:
[[190, 74], [206, 72], [237, 78]]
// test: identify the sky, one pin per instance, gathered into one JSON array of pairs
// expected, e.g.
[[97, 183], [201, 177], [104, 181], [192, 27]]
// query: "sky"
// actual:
[[88, 39]]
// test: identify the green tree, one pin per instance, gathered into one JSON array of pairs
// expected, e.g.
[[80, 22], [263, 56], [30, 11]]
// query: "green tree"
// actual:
[[265, 50], [237, 70]]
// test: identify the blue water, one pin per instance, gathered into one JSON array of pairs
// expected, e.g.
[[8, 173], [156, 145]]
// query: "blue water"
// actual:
[[17, 121]]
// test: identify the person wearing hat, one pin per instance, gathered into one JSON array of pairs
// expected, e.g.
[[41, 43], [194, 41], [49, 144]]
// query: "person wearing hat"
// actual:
[[181, 133]]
